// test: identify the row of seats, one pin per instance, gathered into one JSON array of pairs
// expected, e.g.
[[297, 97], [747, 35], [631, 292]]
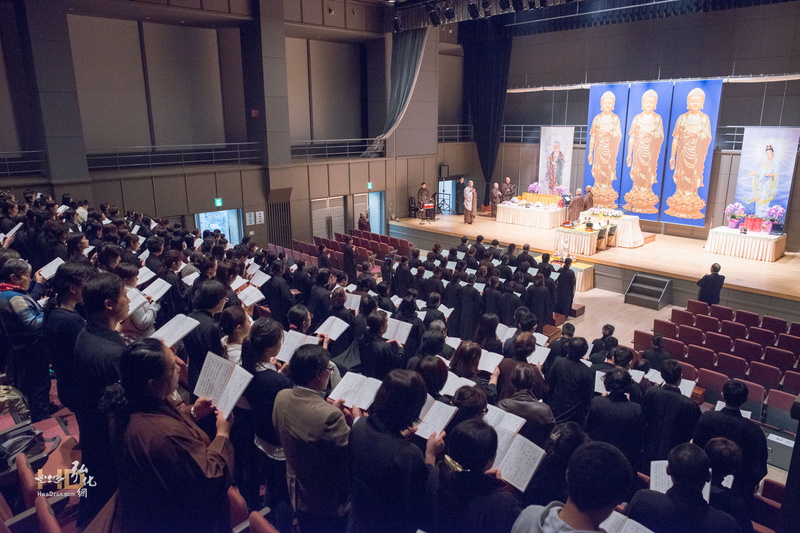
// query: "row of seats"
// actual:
[[377, 248], [297, 253], [746, 318]]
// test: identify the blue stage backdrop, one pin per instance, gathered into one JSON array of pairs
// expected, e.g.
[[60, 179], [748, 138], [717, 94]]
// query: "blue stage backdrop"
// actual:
[[645, 148], [692, 127], [605, 142], [766, 168]]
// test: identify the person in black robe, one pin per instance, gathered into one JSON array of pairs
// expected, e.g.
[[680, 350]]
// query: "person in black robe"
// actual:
[[349, 260], [434, 283], [491, 296], [379, 357], [452, 299], [387, 272], [384, 301], [278, 295], [526, 256], [323, 259], [209, 300], [460, 196], [402, 278], [471, 309], [509, 302], [319, 300], [538, 300], [407, 312], [565, 289], [711, 285], [338, 310]]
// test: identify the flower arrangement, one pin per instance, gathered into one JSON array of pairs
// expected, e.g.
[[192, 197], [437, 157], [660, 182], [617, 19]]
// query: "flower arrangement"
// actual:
[[775, 213], [614, 213], [534, 187], [735, 211], [560, 190]]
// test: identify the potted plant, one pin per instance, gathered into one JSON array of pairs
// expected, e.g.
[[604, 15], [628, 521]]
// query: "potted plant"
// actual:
[[734, 213], [773, 216], [534, 187]]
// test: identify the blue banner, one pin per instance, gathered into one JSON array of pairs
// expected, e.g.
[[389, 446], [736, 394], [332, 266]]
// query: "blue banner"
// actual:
[[693, 124], [649, 106], [608, 111]]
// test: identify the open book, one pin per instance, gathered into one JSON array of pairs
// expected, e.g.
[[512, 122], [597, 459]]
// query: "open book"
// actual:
[[504, 332], [489, 361], [446, 311], [144, 256], [190, 279], [517, 458], [223, 382], [497, 418], [332, 327], [356, 390], [253, 268], [157, 289], [479, 287], [352, 302], [136, 298], [176, 329], [421, 304], [397, 330], [238, 282], [619, 523], [145, 275], [251, 296], [539, 355], [434, 417], [13, 231], [454, 383], [661, 482], [292, 340], [541, 339], [49, 270], [259, 278], [453, 342], [396, 300]]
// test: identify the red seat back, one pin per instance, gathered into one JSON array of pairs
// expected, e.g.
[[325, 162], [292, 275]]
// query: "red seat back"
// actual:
[[666, 328], [718, 342], [706, 323], [767, 376], [385, 239], [732, 366], [676, 349], [747, 318], [734, 330], [696, 307], [794, 329], [775, 325], [712, 382], [746, 349], [690, 335], [790, 343], [642, 340], [783, 359], [764, 337], [755, 399], [720, 312], [681, 317], [689, 371], [791, 382], [700, 357]]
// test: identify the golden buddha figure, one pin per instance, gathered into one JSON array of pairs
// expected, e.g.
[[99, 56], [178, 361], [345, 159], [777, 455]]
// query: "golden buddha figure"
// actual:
[[605, 135], [691, 140], [644, 149]]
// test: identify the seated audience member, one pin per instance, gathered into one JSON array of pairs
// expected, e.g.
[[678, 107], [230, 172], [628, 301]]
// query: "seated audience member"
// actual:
[[598, 345], [571, 384], [465, 365], [176, 479], [142, 322], [617, 420], [725, 457], [549, 482], [730, 423], [379, 357], [683, 508], [434, 372], [486, 334], [670, 416], [539, 420], [656, 354], [389, 473], [314, 435], [598, 478], [523, 346], [466, 499]]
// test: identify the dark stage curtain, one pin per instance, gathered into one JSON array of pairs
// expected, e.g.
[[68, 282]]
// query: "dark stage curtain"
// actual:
[[485, 84]]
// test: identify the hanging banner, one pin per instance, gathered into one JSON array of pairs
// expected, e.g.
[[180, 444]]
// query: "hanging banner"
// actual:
[[693, 124], [608, 109], [766, 169], [555, 159], [643, 169]]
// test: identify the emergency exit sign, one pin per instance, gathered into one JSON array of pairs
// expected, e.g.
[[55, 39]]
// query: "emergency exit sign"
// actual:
[[217, 202]]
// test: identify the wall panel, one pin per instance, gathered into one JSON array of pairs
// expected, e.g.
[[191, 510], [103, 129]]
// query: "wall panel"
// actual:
[[170, 192]]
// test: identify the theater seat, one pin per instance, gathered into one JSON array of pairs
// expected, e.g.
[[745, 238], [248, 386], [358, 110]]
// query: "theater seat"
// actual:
[[748, 318], [696, 307], [666, 328], [700, 357], [642, 340], [767, 376], [680, 317], [775, 325], [720, 312], [755, 399], [734, 330], [790, 343], [779, 406], [706, 323], [764, 337], [791, 382], [690, 335], [747, 350], [732, 366], [712, 382], [676, 349], [783, 359], [718, 342]]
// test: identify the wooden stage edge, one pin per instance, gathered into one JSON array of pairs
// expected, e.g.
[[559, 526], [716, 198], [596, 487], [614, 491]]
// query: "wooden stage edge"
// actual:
[[670, 256]]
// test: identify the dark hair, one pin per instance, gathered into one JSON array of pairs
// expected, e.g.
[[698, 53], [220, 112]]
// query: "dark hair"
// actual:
[[383, 289], [307, 362], [688, 465], [465, 361], [432, 343], [734, 393], [617, 380], [338, 297], [598, 477], [74, 243], [725, 457], [473, 445], [568, 329], [608, 330], [527, 321], [296, 316], [99, 288], [565, 439], [14, 267], [126, 271], [323, 276], [657, 341], [715, 267], [171, 257], [141, 363], [208, 294], [399, 399], [68, 275], [434, 299], [610, 342], [523, 377], [623, 356], [154, 244], [107, 253], [434, 373], [523, 345], [265, 333], [577, 348], [486, 330], [368, 305], [471, 403], [375, 322], [231, 318], [671, 371]]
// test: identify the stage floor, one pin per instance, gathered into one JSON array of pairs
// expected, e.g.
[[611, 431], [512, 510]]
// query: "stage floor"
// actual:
[[677, 257]]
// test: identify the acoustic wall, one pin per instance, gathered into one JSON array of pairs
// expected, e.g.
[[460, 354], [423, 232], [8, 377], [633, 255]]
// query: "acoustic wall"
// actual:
[[9, 140]]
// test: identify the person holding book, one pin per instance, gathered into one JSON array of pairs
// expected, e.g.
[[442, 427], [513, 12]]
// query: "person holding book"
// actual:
[[539, 420], [209, 300], [176, 479], [523, 346], [407, 312], [278, 295], [549, 482], [378, 356], [314, 435], [338, 310], [465, 365], [388, 472], [466, 499]]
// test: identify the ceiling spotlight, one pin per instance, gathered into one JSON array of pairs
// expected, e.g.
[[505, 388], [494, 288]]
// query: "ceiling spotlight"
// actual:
[[518, 5], [397, 23], [505, 4], [433, 13], [473, 10], [449, 12], [487, 8]]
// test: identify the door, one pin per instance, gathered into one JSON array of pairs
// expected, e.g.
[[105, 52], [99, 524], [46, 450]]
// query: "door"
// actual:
[[446, 204], [229, 223], [327, 217]]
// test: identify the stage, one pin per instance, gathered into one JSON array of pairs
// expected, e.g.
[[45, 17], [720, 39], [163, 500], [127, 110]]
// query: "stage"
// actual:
[[680, 258]]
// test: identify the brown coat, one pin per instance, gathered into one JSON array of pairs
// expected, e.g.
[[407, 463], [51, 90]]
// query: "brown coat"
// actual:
[[172, 478], [539, 420]]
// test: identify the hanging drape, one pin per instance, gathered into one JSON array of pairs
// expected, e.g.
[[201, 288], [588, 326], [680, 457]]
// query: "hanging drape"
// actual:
[[485, 83], [407, 50]]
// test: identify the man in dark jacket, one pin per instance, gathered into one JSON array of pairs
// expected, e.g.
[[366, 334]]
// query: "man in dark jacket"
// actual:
[[571, 384], [379, 357], [471, 309], [711, 285]]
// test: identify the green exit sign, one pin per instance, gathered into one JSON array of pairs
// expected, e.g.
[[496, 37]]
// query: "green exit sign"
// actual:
[[217, 202], [369, 185]]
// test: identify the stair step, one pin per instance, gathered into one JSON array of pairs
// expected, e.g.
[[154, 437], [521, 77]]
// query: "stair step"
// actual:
[[643, 300], [647, 290], [654, 281], [649, 237]]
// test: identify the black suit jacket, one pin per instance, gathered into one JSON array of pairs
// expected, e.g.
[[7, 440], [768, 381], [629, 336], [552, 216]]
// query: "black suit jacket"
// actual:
[[679, 511], [710, 287], [670, 417], [616, 420], [470, 311], [203, 339]]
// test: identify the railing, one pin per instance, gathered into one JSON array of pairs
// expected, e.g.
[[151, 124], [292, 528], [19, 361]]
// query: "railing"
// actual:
[[455, 133], [13, 164], [333, 148], [134, 157]]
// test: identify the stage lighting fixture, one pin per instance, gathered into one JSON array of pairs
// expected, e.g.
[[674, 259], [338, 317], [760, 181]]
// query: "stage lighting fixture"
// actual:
[[449, 12], [504, 4], [518, 5], [487, 8], [397, 23], [433, 13], [473, 10]]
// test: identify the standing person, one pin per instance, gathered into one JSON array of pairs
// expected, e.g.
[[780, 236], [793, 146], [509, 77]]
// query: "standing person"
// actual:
[[539, 420], [497, 198], [278, 294], [314, 435], [423, 198], [507, 189], [711, 285], [471, 311], [470, 203], [363, 222], [790, 510], [349, 266], [209, 300], [538, 299], [460, 196], [571, 384], [565, 289], [176, 479], [388, 472], [576, 207], [323, 259], [588, 198]]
